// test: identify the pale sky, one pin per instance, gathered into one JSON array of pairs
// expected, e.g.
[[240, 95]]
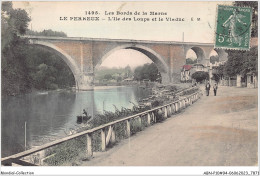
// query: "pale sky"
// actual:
[[46, 15], [124, 57]]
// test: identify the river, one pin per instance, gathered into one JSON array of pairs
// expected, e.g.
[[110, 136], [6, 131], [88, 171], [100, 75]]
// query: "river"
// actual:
[[50, 115]]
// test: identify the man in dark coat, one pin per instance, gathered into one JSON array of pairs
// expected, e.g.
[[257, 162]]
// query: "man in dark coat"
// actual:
[[215, 87], [207, 88]]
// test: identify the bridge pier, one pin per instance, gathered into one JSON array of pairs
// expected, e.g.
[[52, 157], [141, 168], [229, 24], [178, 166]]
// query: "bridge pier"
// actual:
[[84, 81]]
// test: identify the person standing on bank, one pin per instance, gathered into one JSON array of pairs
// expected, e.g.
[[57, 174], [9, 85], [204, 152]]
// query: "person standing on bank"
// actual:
[[207, 88], [215, 87]]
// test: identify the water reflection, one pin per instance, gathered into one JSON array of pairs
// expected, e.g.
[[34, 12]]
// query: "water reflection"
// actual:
[[49, 115]]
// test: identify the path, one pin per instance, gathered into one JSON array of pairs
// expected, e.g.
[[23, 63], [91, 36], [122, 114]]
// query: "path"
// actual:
[[215, 131]]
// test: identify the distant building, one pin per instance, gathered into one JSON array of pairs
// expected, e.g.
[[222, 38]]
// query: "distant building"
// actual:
[[252, 80], [185, 73], [129, 79]]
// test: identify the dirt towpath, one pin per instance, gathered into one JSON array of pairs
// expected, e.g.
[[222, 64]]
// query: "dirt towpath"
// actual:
[[215, 131]]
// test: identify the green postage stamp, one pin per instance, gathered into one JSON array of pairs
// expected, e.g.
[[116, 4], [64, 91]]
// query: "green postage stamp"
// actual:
[[233, 27]]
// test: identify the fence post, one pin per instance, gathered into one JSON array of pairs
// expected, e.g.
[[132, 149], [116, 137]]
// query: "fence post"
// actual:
[[89, 145], [173, 108], [128, 132], [113, 135], [169, 110], [148, 119], [109, 134], [153, 117], [165, 112], [103, 140], [139, 121]]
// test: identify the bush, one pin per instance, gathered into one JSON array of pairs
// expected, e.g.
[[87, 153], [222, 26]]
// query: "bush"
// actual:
[[199, 76]]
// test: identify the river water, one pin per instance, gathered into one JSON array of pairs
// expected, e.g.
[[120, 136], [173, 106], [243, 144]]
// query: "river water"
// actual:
[[50, 115]]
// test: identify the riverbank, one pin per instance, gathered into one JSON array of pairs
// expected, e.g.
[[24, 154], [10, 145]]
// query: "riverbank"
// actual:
[[106, 87], [52, 115]]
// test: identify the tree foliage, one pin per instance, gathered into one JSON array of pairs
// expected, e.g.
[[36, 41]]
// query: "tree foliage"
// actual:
[[214, 59], [47, 70], [47, 33], [219, 72], [116, 73], [241, 62], [199, 76], [191, 61], [14, 72], [25, 67], [147, 71], [108, 76]]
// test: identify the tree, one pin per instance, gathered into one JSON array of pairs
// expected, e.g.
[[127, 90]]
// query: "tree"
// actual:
[[108, 76], [128, 72], [147, 71], [214, 59], [215, 77], [191, 61], [47, 70], [199, 76], [14, 70], [219, 72], [119, 79], [24, 66], [241, 62]]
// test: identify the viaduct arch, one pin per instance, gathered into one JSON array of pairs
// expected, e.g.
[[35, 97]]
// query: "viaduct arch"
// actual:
[[82, 55], [156, 58]]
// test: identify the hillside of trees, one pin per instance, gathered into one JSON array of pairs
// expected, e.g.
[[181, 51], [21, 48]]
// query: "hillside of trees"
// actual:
[[26, 67], [118, 74], [47, 33], [147, 71]]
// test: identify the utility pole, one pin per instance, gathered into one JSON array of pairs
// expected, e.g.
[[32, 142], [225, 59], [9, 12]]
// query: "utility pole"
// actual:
[[103, 106], [25, 135]]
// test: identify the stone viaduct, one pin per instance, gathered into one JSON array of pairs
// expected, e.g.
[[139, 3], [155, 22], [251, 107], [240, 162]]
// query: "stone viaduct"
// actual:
[[83, 55]]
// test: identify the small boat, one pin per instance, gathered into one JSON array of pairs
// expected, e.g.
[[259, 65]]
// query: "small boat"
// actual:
[[83, 118]]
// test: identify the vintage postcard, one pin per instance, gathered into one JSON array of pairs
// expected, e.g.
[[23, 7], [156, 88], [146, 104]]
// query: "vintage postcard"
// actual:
[[161, 83]]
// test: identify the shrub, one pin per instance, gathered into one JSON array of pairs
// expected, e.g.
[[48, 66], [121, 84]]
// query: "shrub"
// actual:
[[199, 76]]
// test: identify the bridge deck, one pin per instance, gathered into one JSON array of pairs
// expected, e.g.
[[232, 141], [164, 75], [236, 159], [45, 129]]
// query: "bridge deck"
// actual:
[[116, 40], [215, 131]]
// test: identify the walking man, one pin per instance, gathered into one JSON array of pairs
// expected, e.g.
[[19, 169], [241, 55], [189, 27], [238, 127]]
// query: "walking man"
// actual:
[[215, 87], [207, 88]]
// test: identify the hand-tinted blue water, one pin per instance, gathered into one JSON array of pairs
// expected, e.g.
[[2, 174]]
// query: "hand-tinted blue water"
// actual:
[[51, 115]]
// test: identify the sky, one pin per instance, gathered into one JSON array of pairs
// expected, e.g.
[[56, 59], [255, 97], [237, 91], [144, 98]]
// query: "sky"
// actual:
[[47, 15]]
